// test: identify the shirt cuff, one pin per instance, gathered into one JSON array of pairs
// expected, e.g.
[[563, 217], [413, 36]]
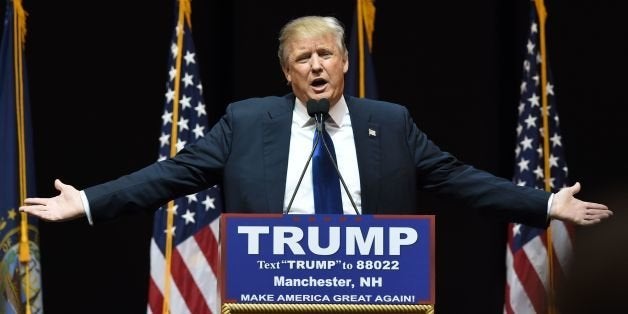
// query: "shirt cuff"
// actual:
[[88, 213], [549, 205]]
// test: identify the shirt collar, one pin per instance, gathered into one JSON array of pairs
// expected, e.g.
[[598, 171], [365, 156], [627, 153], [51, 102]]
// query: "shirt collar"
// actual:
[[337, 113]]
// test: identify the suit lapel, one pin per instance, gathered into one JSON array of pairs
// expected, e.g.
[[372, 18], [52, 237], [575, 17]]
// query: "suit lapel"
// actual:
[[277, 125], [368, 150]]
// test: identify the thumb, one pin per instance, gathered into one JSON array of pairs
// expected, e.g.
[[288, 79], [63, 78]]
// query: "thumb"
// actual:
[[574, 188], [59, 185]]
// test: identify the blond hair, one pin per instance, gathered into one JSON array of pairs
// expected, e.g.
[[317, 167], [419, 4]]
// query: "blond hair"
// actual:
[[309, 26]]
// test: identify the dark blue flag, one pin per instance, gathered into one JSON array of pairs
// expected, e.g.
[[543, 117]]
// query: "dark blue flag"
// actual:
[[20, 271], [360, 78]]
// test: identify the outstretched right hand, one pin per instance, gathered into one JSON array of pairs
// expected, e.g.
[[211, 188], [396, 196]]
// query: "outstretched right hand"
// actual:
[[65, 206]]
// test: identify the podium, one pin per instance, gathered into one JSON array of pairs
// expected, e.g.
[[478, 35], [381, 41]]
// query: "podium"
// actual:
[[275, 263]]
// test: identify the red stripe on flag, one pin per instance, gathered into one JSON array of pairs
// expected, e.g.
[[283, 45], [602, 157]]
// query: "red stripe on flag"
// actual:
[[209, 246], [187, 286], [530, 281], [155, 299]]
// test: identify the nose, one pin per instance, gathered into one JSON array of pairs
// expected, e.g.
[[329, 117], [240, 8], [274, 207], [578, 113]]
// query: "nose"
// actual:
[[315, 63]]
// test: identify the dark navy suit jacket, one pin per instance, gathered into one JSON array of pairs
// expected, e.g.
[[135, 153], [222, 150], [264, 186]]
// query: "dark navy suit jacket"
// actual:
[[247, 153]]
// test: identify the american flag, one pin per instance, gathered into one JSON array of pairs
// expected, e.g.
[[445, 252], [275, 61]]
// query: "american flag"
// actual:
[[528, 287], [195, 248]]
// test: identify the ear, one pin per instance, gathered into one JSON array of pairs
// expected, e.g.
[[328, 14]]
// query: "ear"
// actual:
[[286, 74], [346, 64]]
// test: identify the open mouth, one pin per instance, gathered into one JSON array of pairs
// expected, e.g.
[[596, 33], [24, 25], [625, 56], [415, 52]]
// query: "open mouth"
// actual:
[[318, 82]]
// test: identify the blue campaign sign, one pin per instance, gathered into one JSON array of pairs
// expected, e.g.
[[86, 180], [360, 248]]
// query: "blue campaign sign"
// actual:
[[327, 259]]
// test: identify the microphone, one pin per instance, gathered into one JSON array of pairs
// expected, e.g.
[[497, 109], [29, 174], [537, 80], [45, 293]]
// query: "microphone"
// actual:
[[319, 110]]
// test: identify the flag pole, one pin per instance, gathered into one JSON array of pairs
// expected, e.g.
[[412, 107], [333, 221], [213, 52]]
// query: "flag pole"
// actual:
[[542, 15], [360, 30], [19, 33], [184, 16]]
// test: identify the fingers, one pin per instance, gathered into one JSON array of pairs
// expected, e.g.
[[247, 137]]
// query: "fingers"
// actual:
[[596, 206], [591, 216], [588, 222], [43, 212], [36, 201], [598, 213], [37, 207], [35, 210]]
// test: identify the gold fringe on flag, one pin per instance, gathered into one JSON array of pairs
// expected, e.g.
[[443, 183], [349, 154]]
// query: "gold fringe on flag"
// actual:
[[366, 24], [19, 39]]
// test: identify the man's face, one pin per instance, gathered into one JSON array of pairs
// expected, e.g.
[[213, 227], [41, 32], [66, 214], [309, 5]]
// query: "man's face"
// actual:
[[315, 68]]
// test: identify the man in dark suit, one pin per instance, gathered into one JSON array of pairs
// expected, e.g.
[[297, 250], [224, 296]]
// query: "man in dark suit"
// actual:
[[257, 150]]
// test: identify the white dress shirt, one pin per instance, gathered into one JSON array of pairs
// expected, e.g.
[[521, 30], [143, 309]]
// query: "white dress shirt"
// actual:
[[338, 125]]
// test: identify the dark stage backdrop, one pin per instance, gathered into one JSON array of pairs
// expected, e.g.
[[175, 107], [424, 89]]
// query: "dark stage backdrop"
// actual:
[[97, 72]]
